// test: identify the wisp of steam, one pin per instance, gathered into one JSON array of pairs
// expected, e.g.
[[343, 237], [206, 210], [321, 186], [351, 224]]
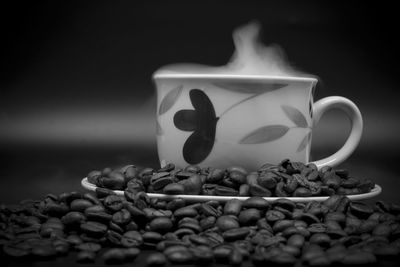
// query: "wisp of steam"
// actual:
[[251, 57]]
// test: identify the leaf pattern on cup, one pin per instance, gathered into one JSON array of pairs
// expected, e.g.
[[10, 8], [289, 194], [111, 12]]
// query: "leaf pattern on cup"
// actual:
[[265, 134], [170, 99], [295, 116], [306, 140], [202, 121], [250, 87]]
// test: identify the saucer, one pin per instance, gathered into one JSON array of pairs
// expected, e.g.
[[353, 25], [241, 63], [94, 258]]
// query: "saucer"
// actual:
[[203, 198]]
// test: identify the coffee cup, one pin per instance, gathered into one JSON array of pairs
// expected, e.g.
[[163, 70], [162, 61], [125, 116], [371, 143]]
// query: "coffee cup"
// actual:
[[220, 120]]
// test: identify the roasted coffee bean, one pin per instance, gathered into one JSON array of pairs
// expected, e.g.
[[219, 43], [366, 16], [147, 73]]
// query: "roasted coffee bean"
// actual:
[[156, 259], [235, 234], [358, 257], [202, 254], [257, 203], [160, 183], [131, 253], [249, 216], [161, 224], [180, 256], [86, 256], [281, 225], [193, 185], [280, 190], [174, 189], [222, 253], [114, 255], [94, 228], [233, 207], [121, 217], [131, 239], [73, 218], [114, 180], [93, 176], [273, 215], [93, 247], [113, 202], [321, 239], [257, 190], [220, 190], [302, 192], [152, 237], [360, 209], [207, 223], [267, 180], [80, 204], [102, 217], [113, 237], [185, 212], [16, 250], [227, 222]]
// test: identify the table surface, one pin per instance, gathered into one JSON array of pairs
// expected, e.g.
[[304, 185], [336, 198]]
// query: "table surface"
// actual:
[[32, 172]]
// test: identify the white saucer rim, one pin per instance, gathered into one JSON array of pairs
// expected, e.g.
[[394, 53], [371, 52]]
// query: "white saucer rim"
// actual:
[[203, 198]]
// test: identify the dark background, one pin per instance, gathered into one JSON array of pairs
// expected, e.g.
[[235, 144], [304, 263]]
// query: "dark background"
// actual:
[[76, 91]]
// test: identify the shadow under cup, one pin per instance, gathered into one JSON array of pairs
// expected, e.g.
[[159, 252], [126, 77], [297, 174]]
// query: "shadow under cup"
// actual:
[[221, 120]]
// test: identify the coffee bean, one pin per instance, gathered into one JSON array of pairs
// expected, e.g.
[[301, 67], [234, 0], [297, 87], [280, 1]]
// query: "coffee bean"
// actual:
[[281, 225], [102, 217], [113, 202], [267, 180], [257, 190], [180, 256], [15, 250], [161, 224], [174, 189], [360, 209], [358, 257], [85, 256], [193, 185], [93, 176], [382, 230], [185, 212], [302, 192], [222, 253], [321, 239], [44, 251], [273, 215], [152, 237], [73, 218], [160, 183], [249, 216], [94, 228], [233, 207], [202, 254], [93, 247], [80, 204], [257, 203], [121, 217], [235, 234], [225, 191], [226, 222], [131, 239], [207, 223], [131, 253], [114, 255], [156, 259]]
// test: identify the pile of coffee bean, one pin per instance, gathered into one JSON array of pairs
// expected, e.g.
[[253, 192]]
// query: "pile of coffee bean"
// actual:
[[287, 179], [116, 229]]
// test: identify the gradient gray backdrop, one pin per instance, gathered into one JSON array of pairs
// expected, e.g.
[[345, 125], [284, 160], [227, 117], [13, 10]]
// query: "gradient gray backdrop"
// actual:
[[76, 90]]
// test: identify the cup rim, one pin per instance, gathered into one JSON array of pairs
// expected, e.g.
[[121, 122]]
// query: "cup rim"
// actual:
[[231, 77]]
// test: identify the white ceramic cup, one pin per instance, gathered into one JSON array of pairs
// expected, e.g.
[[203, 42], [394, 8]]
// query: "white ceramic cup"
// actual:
[[225, 120]]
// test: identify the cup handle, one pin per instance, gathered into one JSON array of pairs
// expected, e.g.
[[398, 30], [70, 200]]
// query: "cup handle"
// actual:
[[352, 111]]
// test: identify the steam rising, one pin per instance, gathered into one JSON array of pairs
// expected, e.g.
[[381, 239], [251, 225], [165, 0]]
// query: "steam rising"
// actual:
[[251, 57]]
